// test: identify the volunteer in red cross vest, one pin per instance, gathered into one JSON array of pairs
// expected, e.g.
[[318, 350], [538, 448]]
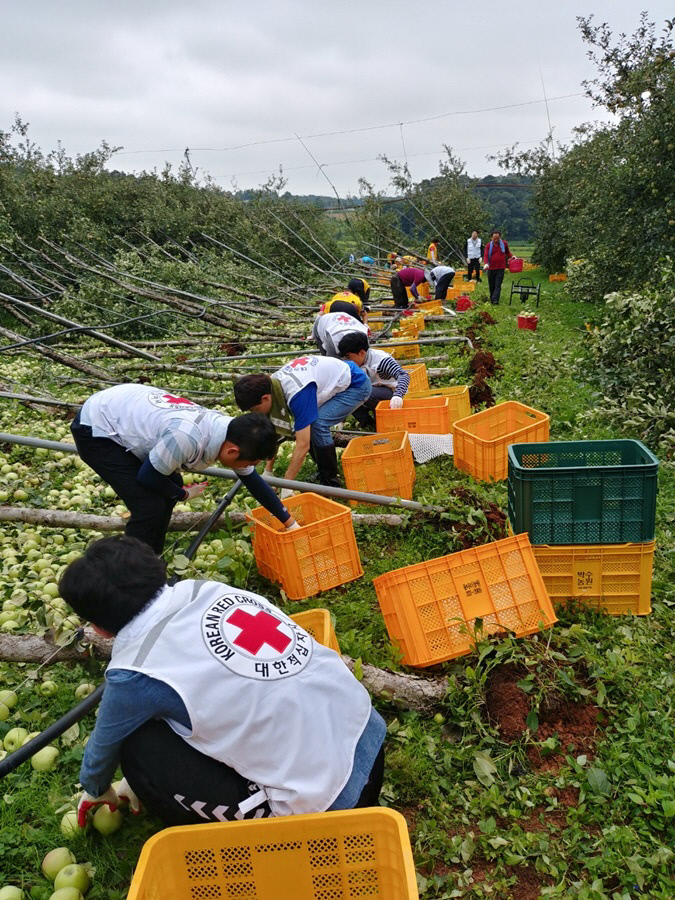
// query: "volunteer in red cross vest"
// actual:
[[495, 259], [138, 437], [329, 329], [217, 705], [355, 297], [389, 380], [303, 399]]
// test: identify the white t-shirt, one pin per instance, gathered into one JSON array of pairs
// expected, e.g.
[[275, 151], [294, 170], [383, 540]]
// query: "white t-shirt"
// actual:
[[331, 376]]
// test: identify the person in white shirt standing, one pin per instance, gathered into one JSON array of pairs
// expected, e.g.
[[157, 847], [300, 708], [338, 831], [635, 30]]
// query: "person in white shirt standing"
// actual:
[[137, 438], [474, 255]]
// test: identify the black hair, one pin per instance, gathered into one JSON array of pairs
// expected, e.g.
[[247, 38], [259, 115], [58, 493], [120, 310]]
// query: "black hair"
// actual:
[[254, 434], [344, 306], [115, 579], [356, 287], [353, 342], [250, 389], [495, 231]]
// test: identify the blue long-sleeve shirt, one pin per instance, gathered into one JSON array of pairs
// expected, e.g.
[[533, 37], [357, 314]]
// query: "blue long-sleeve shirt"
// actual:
[[132, 698]]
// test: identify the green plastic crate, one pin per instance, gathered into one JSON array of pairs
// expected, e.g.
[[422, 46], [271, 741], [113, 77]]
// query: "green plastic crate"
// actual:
[[583, 492]]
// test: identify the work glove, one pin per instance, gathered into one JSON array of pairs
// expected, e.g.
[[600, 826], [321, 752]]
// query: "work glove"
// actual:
[[396, 402], [88, 802], [125, 793], [286, 493], [468, 260], [194, 490], [485, 267], [294, 527]]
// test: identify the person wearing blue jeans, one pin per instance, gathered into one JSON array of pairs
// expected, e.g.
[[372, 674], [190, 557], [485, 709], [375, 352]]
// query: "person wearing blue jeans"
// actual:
[[303, 399]]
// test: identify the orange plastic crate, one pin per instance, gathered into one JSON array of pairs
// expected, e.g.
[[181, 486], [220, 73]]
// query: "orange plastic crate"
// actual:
[[560, 277], [427, 415], [613, 577], [398, 351], [419, 380], [431, 609], [318, 624], [321, 555], [481, 441], [354, 853], [458, 399], [431, 307], [422, 290], [381, 464]]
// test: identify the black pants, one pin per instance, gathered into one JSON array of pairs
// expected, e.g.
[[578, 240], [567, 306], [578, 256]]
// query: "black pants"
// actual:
[[473, 266], [363, 413], [182, 786], [442, 285], [398, 292], [150, 512], [495, 278]]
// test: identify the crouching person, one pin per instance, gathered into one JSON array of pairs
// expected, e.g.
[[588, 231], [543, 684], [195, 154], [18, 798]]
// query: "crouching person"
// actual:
[[389, 380], [217, 705], [303, 399], [329, 329]]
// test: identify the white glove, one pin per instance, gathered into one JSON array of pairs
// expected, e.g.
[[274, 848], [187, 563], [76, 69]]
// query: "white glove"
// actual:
[[396, 402], [88, 802], [294, 527], [194, 490], [286, 493], [485, 267], [125, 793]]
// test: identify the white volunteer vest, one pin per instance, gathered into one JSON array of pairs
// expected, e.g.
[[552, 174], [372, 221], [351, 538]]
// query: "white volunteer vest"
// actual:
[[331, 376], [136, 415], [262, 695], [373, 360], [337, 325]]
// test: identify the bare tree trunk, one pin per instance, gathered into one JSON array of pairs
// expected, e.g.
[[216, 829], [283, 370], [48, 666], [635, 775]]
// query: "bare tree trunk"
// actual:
[[410, 691], [63, 358], [180, 521]]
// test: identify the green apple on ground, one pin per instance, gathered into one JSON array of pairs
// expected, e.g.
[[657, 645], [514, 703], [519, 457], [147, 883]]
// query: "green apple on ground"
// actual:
[[9, 698], [44, 760], [11, 893], [30, 736], [55, 860], [72, 876], [106, 821], [67, 893], [69, 826], [83, 690], [48, 688], [4, 712], [14, 739]]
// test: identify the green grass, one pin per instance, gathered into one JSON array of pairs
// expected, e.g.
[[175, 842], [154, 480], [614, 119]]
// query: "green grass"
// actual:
[[484, 820]]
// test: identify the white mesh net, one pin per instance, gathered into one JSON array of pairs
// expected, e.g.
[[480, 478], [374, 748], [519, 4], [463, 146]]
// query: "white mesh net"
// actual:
[[427, 446]]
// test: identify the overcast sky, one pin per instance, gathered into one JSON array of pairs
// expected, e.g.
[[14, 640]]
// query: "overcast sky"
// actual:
[[158, 77]]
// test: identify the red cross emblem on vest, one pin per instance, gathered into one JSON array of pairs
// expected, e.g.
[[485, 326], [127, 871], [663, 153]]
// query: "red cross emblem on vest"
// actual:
[[344, 318], [299, 362], [171, 399], [258, 630]]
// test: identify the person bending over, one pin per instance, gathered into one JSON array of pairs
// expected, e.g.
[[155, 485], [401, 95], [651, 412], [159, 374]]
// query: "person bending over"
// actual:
[[389, 380], [217, 705], [330, 328], [303, 399], [137, 438]]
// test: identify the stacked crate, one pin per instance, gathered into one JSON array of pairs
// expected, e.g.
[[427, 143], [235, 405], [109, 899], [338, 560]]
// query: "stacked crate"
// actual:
[[589, 509]]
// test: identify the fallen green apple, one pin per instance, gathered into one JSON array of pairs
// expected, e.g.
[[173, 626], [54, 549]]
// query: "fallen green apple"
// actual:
[[72, 876], [67, 893], [9, 698], [11, 893], [48, 688], [44, 760], [107, 822], [83, 690], [69, 826], [14, 739], [55, 860]]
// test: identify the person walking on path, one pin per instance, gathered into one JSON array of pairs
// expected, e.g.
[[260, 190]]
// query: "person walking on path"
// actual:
[[495, 259], [137, 438], [303, 399], [473, 256], [217, 705]]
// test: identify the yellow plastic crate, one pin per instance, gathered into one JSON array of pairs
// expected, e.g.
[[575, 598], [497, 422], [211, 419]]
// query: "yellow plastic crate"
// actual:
[[321, 555], [427, 415], [355, 853], [422, 290], [319, 625], [381, 464], [419, 380], [418, 319], [406, 329], [481, 441], [613, 577], [431, 307], [406, 351], [431, 609], [458, 399]]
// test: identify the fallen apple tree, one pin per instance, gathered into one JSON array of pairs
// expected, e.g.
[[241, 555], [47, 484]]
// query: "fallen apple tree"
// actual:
[[411, 691]]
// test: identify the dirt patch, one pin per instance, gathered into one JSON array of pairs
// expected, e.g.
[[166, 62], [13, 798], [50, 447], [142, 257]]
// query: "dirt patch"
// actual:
[[481, 392], [233, 348], [573, 724], [507, 704], [486, 318], [468, 535], [528, 886], [484, 363], [568, 796]]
